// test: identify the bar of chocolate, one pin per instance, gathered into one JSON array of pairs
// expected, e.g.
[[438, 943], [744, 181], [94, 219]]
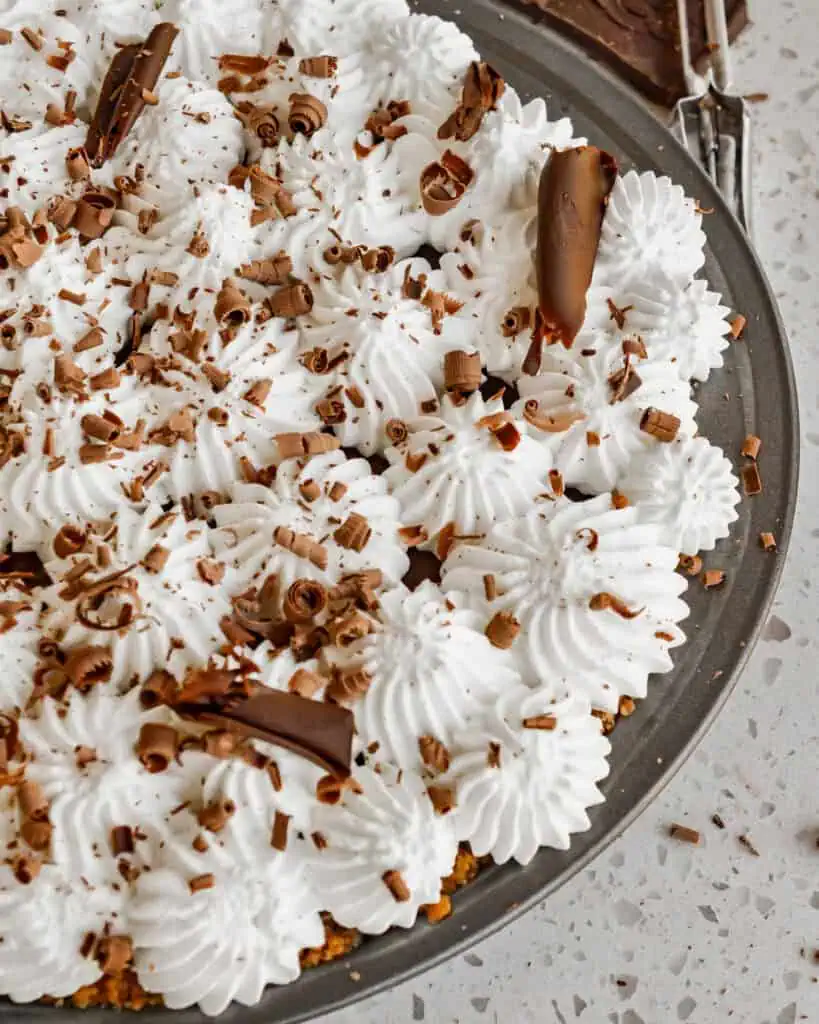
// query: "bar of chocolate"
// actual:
[[574, 186], [640, 39]]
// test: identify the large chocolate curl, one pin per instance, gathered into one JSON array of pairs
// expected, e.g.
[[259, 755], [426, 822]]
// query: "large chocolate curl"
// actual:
[[574, 186], [321, 732], [129, 83]]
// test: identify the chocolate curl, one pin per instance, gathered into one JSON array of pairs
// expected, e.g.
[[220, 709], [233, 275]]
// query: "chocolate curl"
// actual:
[[502, 630], [574, 186], [462, 372], [156, 747], [95, 211], [264, 187], [128, 85], [307, 113], [87, 666], [32, 801], [304, 600], [483, 87], [444, 183], [377, 260], [318, 67], [662, 425], [232, 306], [261, 121], [77, 164], [302, 545], [556, 424], [273, 270], [354, 533], [292, 300], [320, 732], [114, 954], [297, 446]]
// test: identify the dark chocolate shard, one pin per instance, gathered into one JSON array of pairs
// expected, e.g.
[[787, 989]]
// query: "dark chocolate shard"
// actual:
[[640, 39], [320, 732], [573, 189], [130, 82]]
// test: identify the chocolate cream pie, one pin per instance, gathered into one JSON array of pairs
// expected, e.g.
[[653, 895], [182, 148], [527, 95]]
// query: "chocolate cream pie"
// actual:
[[324, 558]]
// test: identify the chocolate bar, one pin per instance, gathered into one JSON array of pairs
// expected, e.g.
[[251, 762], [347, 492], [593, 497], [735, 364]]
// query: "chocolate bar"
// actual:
[[640, 39]]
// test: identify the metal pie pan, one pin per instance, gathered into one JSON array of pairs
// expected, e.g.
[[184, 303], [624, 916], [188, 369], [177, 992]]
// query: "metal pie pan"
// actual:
[[649, 747]]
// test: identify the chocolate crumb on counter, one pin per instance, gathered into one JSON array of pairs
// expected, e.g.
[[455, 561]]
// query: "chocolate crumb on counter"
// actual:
[[746, 842], [684, 834]]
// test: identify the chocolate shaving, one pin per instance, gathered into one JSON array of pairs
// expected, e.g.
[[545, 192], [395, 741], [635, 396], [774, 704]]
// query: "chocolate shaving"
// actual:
[[88, 666], [442, 798], [122, 840], [444, 182], [483, 88], [302, 545], [298, 446], [767, 541], [305, 683], [712, 578], [556, 424], [131, 78], [605, 601], [751, 479], [434, 754], [349, 684], [517, 319], [502, 630], [624, 382], [318, 67], [545, 723], [278, 837], [114, 954], [574, 186], [394, 881], [661, 425], [32, 801], [684, 834], [751, 446], [691, 565], [293, 300], [273, 270], [216, 815], [354, 533]]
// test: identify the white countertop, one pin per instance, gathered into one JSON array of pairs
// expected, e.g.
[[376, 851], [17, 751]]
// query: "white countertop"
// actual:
[[656, 931]]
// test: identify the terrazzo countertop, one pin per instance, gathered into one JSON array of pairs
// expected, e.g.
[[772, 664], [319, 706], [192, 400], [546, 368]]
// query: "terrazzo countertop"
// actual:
[[657, 931]]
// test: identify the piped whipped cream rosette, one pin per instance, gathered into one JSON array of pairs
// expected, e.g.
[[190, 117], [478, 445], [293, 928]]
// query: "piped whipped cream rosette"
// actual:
[[524, 776], [45, 917], [72, 309], [321, 518], [421, 671], [589, 409], [344, 26], [84, 763], [57, 467], [222, 387], [192, 137], [683, 324], [572, 586], [376, 340], [465, 468], [689, 489], [650, 226], [141, 586], [381, 851], [497, 311], [218, 919]]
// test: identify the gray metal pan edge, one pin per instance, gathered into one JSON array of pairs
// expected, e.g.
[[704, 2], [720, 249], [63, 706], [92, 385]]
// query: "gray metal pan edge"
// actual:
[[650, 746]]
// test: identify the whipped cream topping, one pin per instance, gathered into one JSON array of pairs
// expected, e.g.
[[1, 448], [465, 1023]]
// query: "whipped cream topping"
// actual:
[[591, 435], [467, 479], [383, 851], [43, 924], [431, 671], [547, 569], [525, 775], [107, 787], [154, 581], [689, 489], [219, 925], [219, 394], [312, 497]]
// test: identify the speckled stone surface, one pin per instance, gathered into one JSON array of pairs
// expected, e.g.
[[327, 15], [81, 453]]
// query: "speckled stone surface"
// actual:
[[656, 931]]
